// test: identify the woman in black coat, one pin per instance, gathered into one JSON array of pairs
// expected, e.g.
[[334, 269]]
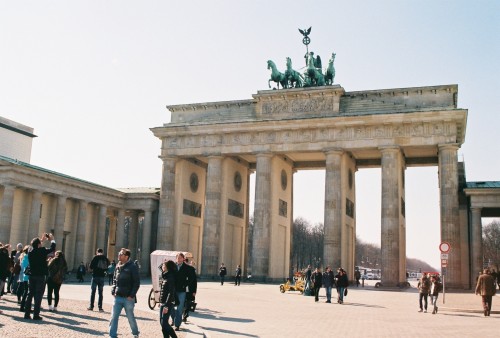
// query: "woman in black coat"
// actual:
[[167, 297]]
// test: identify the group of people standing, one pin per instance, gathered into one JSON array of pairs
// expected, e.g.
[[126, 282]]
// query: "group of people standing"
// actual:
[[223, 273], [316, 279], [428, 286], [178, 290]]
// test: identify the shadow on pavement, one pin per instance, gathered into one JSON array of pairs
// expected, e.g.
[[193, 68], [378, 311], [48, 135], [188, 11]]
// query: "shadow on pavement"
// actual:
[[230, 332], [364, 305], [208, 314]]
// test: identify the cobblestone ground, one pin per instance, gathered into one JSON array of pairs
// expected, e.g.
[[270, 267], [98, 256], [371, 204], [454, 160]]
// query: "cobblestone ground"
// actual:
[[72, 320]]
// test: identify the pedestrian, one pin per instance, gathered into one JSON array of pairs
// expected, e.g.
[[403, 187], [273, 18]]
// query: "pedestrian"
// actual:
[[423, 287], [57, 269], [328, 283], [5, 265], [486, 288], [237, 276], [111, 271], [316, 282], [37, 256], [80, 272], [185, 281], [98, 266], [222, 273], [308, 279], [167, 297], [22, 289], [126, 282], [342, 283], [190, 303], [16, 269], [357, 276], [436, 288]]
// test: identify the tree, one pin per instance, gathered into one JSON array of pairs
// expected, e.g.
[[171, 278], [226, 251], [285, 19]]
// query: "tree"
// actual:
[[491, 243]]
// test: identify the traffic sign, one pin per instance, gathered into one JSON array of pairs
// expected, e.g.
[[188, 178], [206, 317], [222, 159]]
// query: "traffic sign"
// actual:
[[444, 256], [444, 247]]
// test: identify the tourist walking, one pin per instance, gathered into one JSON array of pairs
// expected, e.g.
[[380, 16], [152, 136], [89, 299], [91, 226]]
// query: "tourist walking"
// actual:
[[342, 282], [317, 282], [357, 276], [80, 272], [5, 265], [110, 272], [222, 273], [37, 256], [486, 288], [307, 278], [237, 277], [436, 288], [185, 281], [22, 289], [167, 297], [57, 269], [126, 282], [328, 283], [13, 281], [423, 287], [98, 266]]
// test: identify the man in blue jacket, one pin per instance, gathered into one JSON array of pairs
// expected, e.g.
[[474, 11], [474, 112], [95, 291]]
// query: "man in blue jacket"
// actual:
[[126, 282]]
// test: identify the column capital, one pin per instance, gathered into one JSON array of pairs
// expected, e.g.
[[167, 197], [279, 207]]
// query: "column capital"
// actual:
[[476, 209], [450, 146], [334, 151], [389, 149], [264, 154]]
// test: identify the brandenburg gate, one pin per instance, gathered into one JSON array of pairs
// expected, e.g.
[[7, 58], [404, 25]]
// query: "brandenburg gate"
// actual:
[[210, 149]]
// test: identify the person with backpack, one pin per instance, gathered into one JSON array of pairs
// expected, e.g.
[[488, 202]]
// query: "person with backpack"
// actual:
[[436, 288], [57, 269], [423, 287], [98, 266]]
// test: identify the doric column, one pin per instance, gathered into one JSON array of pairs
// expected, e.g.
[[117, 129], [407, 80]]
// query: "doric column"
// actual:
[[166, 219], [146, 240], [333, 209], [102, 241], [262, 217], [120, 230], [6, 212], [476, 244], [132, 233], [90, 229], [60, 218], [80, 233], [36, 201], [390, 235], [212, 217], [450, 224]]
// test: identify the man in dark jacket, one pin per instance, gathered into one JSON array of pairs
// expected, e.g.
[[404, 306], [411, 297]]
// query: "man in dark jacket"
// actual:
[[222, 273], [98, 266], [185, 281], [37, 257], [328, 283], [126, 282], [317, 281]]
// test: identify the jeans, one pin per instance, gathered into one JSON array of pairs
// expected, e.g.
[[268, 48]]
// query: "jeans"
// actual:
[[51, 286], [168, 331], [36, 289], [110, 279], [340, 291], [97, 282], [424, 297], [177, 315], [120, 303], [328, 290], [434, 302]]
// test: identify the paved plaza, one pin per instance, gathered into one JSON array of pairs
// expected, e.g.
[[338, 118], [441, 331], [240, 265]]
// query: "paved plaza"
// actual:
[[260, 310]]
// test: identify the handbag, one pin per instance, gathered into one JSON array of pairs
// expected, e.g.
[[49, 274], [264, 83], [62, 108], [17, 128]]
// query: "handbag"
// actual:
[[345, 292]]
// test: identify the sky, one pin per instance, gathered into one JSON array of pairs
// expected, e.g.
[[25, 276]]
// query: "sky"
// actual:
[[91, 77]]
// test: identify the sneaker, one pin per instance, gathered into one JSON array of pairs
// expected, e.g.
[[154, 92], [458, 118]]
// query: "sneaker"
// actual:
[[101, 310], [420, 310], [37, 318], [177, 328], [425, 311], [54, 309], [90, 308], [51, 308]]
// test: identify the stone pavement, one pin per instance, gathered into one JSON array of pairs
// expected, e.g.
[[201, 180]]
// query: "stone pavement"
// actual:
[[260, 310]]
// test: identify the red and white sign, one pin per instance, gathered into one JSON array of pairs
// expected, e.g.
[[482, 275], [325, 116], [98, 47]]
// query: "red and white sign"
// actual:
[[444, 247]]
